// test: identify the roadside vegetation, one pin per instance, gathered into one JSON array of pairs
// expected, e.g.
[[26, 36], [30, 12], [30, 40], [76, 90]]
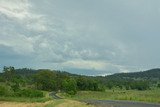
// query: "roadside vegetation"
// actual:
[[152, 96], [52, 103], [28, 85], [67, 103]]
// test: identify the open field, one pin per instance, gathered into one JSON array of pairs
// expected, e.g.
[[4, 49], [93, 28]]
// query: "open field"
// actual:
[[21, 99], [67, 103], [53, 103], [152, 96], [47, 101], [21, 104], [26, 99]]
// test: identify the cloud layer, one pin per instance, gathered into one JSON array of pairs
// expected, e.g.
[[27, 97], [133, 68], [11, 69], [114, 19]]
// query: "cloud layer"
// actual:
[[86, 37]]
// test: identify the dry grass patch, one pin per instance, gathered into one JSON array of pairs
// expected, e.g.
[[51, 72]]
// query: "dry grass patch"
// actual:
[[72, 103], [53, 103], [20, 104]]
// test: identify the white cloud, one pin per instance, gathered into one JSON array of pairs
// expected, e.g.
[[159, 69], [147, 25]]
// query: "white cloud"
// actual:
[[95, 65], [17, 25], [82, 64], [19, 43], [18, 9]]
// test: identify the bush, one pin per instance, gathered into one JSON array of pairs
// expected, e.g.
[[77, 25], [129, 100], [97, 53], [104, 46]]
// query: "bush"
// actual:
[[158, 85], [5, 91], [140, 85], [2, 79], [70, 86], [29, 93], [2, 91]]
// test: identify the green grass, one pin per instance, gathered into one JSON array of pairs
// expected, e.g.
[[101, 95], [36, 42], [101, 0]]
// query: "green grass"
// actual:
[[152, 96], [25, 99], [22, 99], [55, 103], [67, 103]]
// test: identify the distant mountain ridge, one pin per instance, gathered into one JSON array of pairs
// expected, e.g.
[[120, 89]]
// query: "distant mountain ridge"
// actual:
[[149, 74], [134, 80]]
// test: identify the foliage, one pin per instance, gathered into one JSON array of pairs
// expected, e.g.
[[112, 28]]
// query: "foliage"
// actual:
[[140, 85], [44, 80], [9, 73], [149, 74], [70, 86], [29, 93], [84, 83], [3, 91], [132, 95], [158, 85], [51, 80], [2, 79]]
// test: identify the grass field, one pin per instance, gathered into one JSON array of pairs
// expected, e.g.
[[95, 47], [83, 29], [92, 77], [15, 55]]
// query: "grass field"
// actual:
[[52, 103], [152, 96], [25, 99], [67, 103], [47, 101]]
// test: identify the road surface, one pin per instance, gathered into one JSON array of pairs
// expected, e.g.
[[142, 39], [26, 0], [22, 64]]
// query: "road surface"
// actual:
[[54, 96], [108, 103]]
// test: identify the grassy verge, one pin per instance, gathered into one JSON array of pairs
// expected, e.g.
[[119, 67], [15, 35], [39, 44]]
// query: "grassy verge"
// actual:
[[152, 96], [25, 99], [47, 101], [67, 103], [51, 103]]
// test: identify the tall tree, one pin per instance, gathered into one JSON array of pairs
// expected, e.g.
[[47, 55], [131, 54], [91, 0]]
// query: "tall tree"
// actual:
[[9, 73], [45, 80]]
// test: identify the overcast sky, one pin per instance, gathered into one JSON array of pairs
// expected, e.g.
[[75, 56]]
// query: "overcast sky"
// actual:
[[92, 37]]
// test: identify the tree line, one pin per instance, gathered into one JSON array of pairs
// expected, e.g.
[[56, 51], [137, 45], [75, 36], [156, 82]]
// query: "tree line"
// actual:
[[19, 80]]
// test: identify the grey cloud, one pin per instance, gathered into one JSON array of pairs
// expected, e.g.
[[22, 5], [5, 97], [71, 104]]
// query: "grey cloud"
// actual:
[[121, 35]]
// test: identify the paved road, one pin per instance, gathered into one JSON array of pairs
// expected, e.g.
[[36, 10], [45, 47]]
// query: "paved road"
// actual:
[[54, 96], [107, 103], [110, 103]]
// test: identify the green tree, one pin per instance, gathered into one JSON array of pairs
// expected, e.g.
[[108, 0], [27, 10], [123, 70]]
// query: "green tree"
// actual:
[[70, 86], [82, 83], [9, 73], [140, 85], [45, 80]]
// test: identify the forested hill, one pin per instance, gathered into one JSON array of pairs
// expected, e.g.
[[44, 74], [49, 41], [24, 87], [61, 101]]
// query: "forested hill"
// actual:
[[153, 73], [29, 72], [45, 79], [149, 74]]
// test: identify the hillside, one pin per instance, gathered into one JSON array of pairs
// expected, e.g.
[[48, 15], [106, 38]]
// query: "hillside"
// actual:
[[149, 74]]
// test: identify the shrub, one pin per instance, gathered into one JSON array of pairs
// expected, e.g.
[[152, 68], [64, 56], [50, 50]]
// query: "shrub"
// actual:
[[29, 93], [158, 85], [70, 86], [4, 91], [2, 79], [140, 85]]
